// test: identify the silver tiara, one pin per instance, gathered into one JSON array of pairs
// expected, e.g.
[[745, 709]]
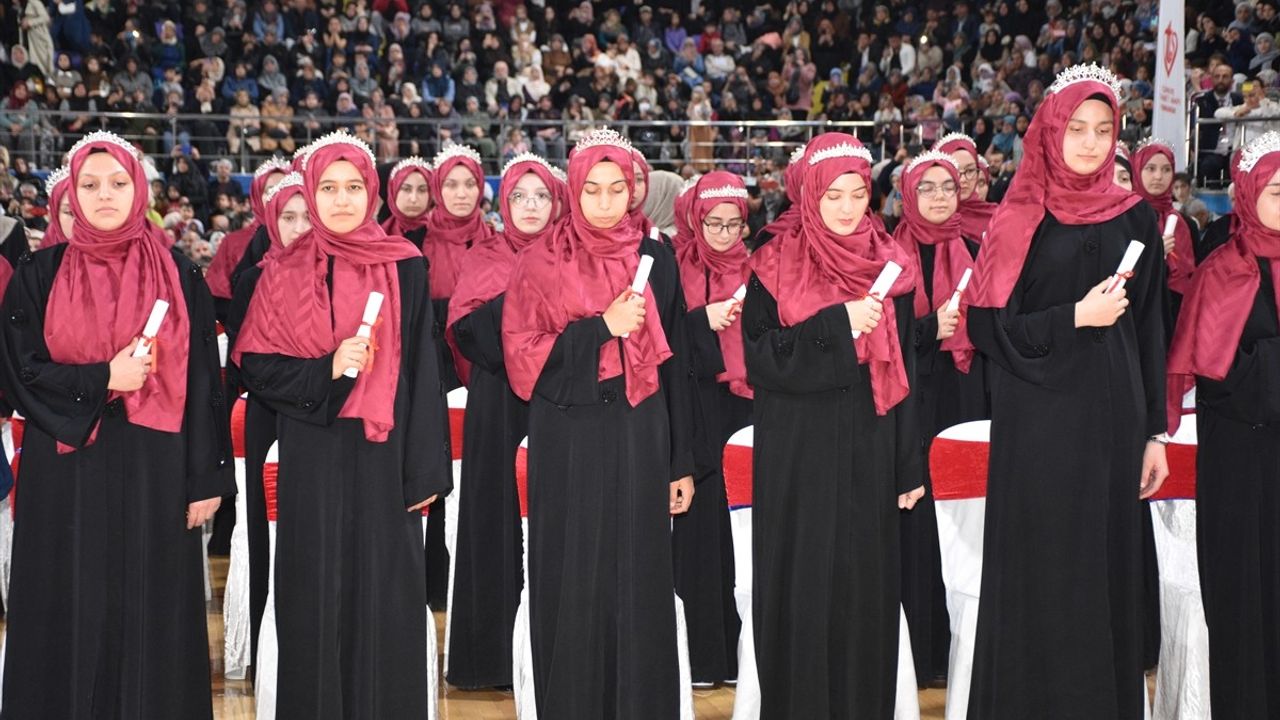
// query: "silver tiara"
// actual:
[[56, 176], [412, 161], [338, 137], [275, 163], [560, 175], [982, 162], [729, 192], [797, 155], [688, 185], [452, 150], [526, 157], [604, 136], [843, 150], [952, 137], [1087, 73], [930, 157], [102, 136], [1154, 141], [1264, 145], [292, 179]]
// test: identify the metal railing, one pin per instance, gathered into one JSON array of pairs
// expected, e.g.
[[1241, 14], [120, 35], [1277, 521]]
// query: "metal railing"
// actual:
[[1241, 130], [734, 145]]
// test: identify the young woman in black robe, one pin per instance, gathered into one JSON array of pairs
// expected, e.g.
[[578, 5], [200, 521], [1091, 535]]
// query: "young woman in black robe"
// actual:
[[610, 424], [1228, 344], [950, 387], [836, 452], [711, 222], [359, 458], [285, 220], [107, 616], [489, 555], [1077, 398]]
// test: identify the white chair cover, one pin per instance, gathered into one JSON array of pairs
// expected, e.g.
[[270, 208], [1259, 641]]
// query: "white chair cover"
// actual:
[[267, 666], [236, 623]]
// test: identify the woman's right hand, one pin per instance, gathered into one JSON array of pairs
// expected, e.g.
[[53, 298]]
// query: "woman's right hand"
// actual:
[[722, 314], [864, 314], [625, 314], [353, 353], [948, 321], [1099, 309], [129, 373]]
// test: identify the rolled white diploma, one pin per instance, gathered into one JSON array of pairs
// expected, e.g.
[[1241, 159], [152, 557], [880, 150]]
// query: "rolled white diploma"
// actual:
[[1127, 264], [880, 288], [1170, 224], [158, 311], [642, 277], [655, 234], [954, 305], [371, 309]]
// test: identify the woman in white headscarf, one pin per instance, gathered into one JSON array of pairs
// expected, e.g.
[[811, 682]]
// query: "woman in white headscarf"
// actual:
[[660, 203]]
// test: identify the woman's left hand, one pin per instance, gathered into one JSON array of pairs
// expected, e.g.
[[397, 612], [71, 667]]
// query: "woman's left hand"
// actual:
[[202, 511], [1155, 469], [908, 500], [681, 495], [423, 504]]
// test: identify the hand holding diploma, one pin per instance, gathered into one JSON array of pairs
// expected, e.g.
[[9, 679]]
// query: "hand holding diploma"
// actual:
[[128, 371], [1170, 224], [621, 320], [865, 314], [355, 352]]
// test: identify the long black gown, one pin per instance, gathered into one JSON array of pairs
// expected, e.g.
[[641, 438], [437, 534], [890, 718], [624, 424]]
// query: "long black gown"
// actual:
[[1238, 518], [349, 585], [825, 537], [602, 610], [107, 614], [259, 433], [702, 539], [944, 397], [489, 567], [1060, 626]]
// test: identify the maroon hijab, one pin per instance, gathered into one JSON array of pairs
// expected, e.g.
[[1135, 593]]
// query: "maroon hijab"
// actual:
[[1044, 182], [449, 236], [809, 267], [234, 244], [709, 275], [487, 268], [1182, 261], [1215, 309], [792, 182], [576, 272], [951, 257], [293, 313], [276, 198], [638, 217], [975, 213], [56, 184], [105, 289], [399, 223]]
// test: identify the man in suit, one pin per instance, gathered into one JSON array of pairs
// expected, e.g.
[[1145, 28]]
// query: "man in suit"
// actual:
[[1215, 138]]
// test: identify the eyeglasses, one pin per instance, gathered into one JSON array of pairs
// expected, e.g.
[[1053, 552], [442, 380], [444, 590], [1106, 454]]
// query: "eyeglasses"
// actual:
[[969, 173], [715, 228], [536, 201], [946, 189]]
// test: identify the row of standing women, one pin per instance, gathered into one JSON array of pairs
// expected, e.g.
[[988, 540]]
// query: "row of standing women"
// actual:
[[626, 398]]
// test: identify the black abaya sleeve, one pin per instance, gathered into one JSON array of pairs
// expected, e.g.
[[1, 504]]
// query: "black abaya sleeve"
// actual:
[[1036, 346], [909, 465], [427, 460], [1149, 299], [676, 373], [210, 470], [64, 400], [704, 343], [300, 388], [816, 355], [1250, 392], [479, 335], [571, 374]]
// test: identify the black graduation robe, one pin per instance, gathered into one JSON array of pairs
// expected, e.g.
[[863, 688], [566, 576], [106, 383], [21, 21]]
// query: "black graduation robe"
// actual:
[[1060, 627], [702, 539], [259, 433], [1238, 518], [107, 614], [349, 585], [827, 473], [489, 564], [602, 610], [944, 397]]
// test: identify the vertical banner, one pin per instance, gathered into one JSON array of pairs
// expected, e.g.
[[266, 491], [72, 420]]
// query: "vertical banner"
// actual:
[[1169, 111]]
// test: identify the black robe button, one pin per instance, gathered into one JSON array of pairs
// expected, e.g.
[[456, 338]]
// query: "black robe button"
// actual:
[[609, 396], [215, 399], [1091, 245], [259, 385], [1258, 427], [114, 408], [822, 345], [462, 330], [18, 316], [304, 404], [1099, 335], [79, 397], [786, 347], [195, 270], [208, 337], [25, 257], [27, 374]]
